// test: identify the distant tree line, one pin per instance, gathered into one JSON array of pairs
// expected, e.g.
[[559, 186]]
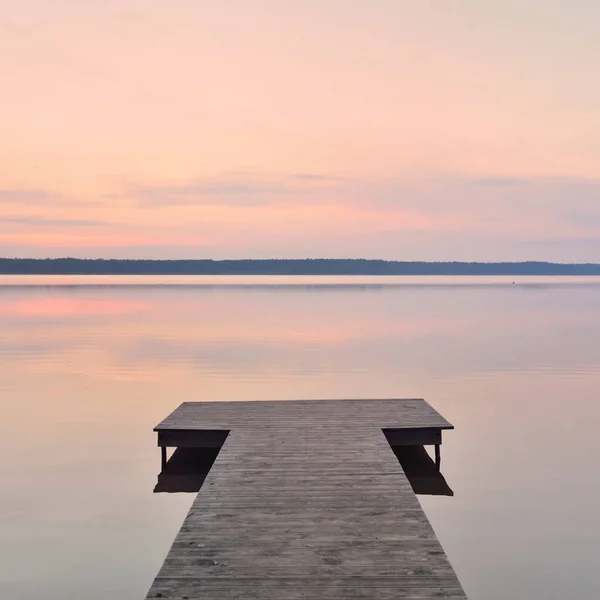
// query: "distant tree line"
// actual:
[[321, 266]]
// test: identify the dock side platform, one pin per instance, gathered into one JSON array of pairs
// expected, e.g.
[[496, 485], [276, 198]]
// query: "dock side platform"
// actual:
[[305, 500]]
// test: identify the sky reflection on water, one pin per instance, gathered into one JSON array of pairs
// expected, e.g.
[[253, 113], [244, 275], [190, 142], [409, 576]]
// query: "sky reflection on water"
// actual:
[[87, 371]]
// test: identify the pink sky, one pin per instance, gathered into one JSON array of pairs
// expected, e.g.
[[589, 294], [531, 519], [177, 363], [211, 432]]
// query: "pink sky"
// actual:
[[459, 130]]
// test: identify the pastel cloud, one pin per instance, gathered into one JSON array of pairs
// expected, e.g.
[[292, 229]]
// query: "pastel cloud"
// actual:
[[235, 189], [47, 222], [28, 196], [284, 215], [500, 181]]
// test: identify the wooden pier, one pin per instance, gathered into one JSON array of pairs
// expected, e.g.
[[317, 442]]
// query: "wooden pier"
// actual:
[[305, 500]]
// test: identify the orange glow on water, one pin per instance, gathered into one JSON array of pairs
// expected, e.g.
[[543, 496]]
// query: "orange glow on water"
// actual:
[[71, 307]]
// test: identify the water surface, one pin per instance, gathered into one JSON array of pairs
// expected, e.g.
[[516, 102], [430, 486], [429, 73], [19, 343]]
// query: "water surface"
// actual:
[[88, 365]]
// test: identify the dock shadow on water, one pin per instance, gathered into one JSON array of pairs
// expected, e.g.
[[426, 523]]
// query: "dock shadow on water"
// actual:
[[421, 471], [187, 468]]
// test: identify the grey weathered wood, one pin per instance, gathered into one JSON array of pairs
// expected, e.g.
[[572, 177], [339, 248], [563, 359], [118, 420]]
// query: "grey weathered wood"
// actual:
[[383, 414], [306, 500]]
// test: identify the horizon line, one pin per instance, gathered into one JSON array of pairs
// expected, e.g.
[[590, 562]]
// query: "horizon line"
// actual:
[[384, 260]]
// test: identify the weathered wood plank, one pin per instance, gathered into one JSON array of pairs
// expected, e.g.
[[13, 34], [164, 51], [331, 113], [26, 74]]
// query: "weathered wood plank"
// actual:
[[383, 414]]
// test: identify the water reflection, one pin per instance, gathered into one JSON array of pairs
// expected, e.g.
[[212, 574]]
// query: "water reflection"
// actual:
[[86, 372], [51, 306]]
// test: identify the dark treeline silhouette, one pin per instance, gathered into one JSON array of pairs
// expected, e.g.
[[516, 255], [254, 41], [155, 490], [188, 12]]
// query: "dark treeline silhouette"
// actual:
[[321, 266]]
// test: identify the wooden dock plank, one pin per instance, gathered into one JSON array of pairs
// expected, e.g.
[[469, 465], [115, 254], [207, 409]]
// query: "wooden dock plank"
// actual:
[[315, 414], [306, 500]]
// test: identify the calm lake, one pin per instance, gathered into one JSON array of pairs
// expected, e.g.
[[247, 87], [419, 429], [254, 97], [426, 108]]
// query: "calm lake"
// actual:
[[88, 365]]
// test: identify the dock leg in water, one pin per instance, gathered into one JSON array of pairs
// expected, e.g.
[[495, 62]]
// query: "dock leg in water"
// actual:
[[438, 458]]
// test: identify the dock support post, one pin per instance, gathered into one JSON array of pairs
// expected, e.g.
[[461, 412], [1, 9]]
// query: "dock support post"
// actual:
[[163, 457], [438, 458]]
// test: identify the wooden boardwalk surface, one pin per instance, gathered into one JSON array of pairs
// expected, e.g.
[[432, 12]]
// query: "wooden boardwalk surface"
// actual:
[[305, 500]]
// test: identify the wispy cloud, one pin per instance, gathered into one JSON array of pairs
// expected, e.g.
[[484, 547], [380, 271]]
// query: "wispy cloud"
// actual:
[[314, 177], [44, 222], [501, 181], [234, 189], [28, 196], [42, 197], [315, 214], [587, 220]]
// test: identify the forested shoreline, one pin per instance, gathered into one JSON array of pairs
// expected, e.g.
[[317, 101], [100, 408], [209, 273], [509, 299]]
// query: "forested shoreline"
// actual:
[[325, 266]]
